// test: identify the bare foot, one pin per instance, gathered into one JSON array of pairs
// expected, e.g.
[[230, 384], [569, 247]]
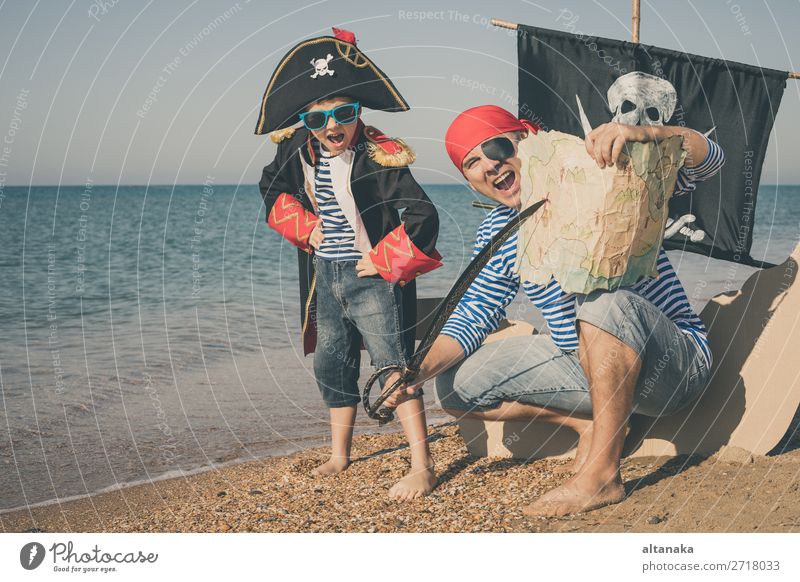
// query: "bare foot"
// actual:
[[333, 466], [579, 494], [581, 453], [417, 483]]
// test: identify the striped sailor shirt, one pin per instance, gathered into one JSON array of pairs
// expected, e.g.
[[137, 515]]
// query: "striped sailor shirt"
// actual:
[[482, 308], [339, 242]]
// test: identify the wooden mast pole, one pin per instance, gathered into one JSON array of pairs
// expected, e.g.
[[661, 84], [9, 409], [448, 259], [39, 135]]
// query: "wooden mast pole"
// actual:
[[504, 24], [635, 20]]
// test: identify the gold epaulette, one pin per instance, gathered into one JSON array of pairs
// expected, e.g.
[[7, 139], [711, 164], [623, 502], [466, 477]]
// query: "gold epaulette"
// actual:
[[279, 135], [386, 151]]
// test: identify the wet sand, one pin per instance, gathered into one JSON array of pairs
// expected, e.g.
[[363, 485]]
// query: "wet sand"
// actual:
[[683, 494]]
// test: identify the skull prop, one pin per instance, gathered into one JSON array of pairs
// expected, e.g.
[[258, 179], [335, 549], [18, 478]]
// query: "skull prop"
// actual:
[[321, 67], [641, 99]]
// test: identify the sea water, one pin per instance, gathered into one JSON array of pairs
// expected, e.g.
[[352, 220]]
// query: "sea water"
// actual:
[[151, 331]]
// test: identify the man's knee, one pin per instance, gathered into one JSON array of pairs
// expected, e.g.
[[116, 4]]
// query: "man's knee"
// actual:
[[458, 400], [449, 399], [602, 305]]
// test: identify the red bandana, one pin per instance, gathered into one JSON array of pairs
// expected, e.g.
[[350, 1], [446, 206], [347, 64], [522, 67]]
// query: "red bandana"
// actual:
[[478, 124]]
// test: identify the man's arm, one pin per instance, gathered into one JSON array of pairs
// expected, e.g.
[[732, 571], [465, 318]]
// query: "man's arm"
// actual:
[[605, 143], [689, 176], [445, 353], [477, 315]]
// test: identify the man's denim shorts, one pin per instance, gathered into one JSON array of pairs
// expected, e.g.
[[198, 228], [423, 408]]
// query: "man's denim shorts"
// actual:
[[350, 308], [532, 370]]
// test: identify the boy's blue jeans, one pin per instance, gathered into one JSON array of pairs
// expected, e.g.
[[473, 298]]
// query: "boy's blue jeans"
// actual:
[[350, 308]]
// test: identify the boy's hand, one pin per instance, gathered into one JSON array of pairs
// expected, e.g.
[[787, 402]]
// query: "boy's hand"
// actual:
[[365, 267], [316, 237]]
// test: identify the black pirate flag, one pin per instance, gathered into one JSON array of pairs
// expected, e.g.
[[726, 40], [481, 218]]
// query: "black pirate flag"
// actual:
[[644, 85]]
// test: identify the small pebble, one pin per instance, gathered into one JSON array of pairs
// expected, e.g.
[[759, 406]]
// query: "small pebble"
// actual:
[[654, 519]]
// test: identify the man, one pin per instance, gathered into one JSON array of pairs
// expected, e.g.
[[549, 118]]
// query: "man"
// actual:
[[608, 354]]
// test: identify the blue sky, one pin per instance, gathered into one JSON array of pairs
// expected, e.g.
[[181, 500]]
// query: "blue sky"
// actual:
[[140, 92]]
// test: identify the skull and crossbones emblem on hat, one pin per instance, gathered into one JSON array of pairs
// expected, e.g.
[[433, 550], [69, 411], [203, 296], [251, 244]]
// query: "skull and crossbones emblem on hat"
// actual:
[[321, 67]]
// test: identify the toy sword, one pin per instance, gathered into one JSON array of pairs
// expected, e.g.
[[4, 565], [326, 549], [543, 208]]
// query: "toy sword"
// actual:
[[440, 317]]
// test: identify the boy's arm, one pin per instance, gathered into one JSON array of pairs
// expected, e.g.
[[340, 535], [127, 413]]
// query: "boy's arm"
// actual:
[[409, 250], [284, 212]]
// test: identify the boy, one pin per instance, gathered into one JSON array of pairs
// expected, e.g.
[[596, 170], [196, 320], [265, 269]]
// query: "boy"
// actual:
[[334, 191]]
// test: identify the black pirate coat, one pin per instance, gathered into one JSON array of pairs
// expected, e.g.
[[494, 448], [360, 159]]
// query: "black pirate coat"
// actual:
[[372, 183]]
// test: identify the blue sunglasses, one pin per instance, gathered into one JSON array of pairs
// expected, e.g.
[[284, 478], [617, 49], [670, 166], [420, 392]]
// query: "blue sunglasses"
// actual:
[[343, 115]]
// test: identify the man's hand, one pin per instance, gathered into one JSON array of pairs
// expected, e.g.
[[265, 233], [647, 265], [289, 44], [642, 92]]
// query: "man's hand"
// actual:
[[605, 143], [402, 394], [445, 353], [316, 237], [365, 267]]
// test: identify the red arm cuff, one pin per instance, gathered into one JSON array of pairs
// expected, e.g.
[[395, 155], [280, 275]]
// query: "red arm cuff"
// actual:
[[398, 260], [294, 222]]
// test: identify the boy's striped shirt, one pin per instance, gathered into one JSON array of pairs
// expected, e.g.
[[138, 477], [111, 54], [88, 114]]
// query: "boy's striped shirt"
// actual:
[[339, 242]]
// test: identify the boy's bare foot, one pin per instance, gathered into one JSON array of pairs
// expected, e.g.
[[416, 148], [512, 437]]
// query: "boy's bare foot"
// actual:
[[581, 453], [417, 483], [583, 492], [333, 466]]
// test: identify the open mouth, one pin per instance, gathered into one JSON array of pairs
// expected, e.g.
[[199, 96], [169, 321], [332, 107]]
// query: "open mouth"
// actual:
[[336, 138], [505, 181]]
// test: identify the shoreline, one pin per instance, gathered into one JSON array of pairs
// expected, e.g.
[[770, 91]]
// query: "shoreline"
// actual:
[[278, 494], [313, 442]]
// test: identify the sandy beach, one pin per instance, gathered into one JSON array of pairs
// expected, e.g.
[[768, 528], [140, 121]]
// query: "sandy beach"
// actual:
[[682, 494]]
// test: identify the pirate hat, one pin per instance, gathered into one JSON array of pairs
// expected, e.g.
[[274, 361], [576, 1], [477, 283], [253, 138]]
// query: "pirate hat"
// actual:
[[319, 68]]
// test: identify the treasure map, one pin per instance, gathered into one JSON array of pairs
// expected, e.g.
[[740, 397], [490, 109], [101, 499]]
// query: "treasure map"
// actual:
[[600, 228]]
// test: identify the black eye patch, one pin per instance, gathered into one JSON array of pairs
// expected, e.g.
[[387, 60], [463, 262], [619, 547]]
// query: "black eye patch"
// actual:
[[498, 149]]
